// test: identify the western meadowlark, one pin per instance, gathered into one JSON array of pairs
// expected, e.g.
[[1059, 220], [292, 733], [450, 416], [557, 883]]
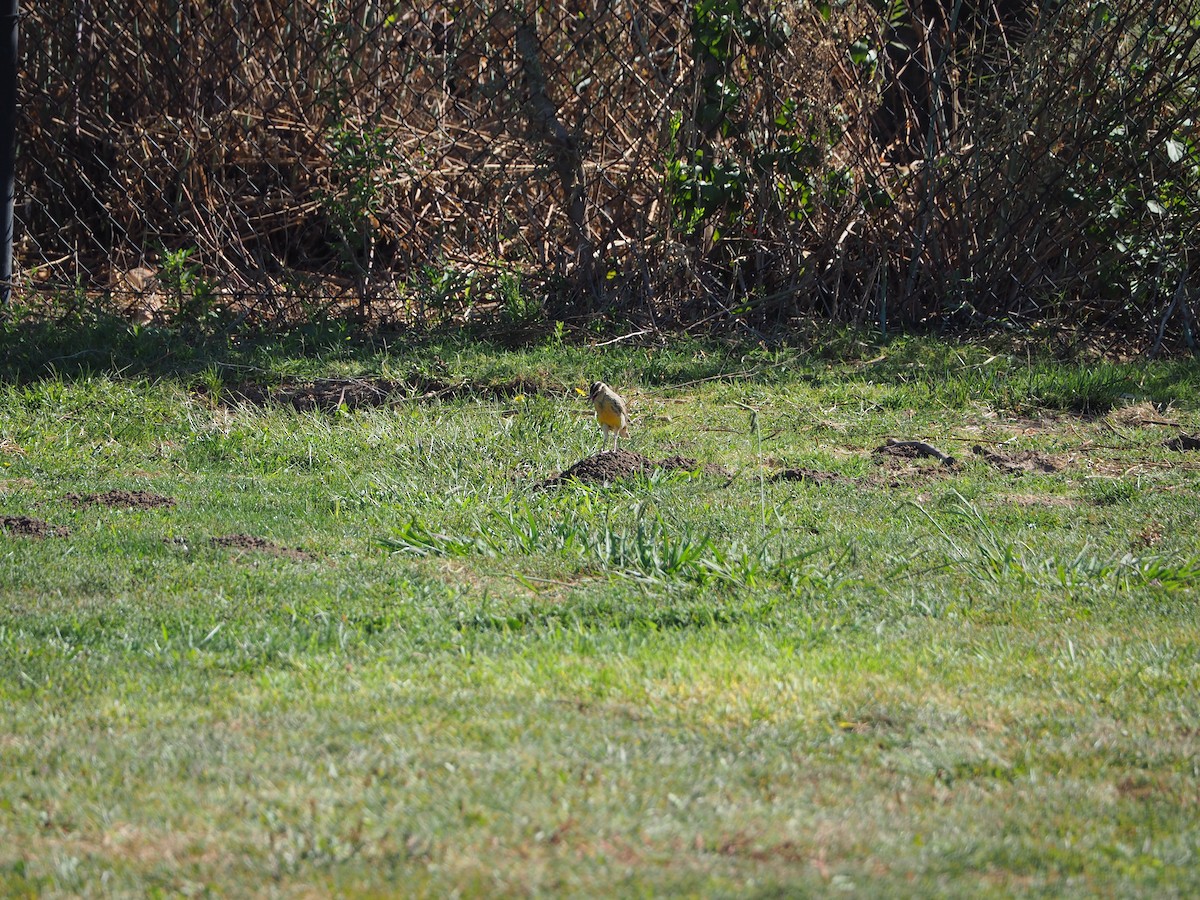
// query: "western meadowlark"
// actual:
[[610, 411]]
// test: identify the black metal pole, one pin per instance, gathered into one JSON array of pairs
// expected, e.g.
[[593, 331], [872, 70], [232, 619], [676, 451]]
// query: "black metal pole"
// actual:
[[9, 11]]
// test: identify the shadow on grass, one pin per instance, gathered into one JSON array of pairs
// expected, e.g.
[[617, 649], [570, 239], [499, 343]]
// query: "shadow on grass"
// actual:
[[102, 344], [954, 371]]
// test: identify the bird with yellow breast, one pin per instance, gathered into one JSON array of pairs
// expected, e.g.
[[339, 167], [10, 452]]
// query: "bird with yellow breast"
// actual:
[[610, 411]]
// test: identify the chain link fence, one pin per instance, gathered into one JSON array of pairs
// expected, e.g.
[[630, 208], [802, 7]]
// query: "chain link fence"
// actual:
[[672, 162]]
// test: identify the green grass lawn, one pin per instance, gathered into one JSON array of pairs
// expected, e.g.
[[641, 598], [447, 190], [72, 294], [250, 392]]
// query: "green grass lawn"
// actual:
[[891, 677]]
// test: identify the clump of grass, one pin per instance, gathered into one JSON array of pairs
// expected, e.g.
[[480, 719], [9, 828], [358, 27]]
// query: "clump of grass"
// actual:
[[1109, 491], [646, 547]]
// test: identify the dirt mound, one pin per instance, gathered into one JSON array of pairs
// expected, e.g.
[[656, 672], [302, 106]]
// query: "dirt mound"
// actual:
[[258, 545], [30, 527], [898, 464], [1183, 442], [812, 475], [613, 464], [1016, 463], [121, 499], [687, 464], [895, 449]]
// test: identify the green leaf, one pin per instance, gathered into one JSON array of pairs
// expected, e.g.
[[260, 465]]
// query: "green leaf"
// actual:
[[861, 53]]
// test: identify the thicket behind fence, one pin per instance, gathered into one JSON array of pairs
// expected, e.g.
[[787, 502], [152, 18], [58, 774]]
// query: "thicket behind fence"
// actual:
[[676, 161]]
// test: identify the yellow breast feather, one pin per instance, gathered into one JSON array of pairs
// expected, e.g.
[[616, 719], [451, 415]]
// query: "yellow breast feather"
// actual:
[[610, 411]]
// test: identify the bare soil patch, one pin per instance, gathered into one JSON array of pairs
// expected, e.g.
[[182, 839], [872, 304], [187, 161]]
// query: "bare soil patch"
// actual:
[[27, 526], [1018, 463], [903, 462], [1150, 536], [1039, 500], [248, 542], [914, 450], [328, 394], [613, 464], [1141, 415], [121, 499]]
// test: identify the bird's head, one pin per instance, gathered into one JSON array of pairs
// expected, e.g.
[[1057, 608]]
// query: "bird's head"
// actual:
[[596, 388]]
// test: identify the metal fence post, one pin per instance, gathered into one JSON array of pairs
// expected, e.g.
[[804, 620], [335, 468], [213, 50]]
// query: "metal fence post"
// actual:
[[9, 11]]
